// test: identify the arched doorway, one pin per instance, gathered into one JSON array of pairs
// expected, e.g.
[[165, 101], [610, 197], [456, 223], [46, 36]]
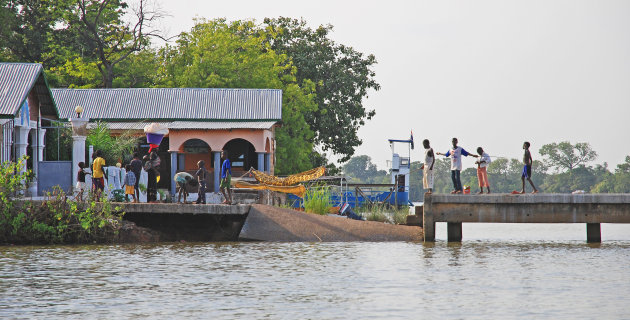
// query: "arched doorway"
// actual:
[[191, 152], [242, 155]]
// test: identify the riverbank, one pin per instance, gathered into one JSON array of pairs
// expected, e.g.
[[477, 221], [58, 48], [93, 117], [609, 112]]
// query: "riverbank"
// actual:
[[169, 222]]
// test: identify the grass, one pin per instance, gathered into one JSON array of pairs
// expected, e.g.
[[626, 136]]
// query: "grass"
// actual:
[[317, 200], [384, 213]]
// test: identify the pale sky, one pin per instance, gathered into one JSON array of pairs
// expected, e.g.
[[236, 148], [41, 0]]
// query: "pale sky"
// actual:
[[491, 73]]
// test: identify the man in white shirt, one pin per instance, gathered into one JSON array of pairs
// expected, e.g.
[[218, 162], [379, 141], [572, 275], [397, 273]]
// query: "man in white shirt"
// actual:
[[482, 172], [456, 154]]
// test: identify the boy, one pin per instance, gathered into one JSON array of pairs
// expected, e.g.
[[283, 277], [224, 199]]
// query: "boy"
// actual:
[[182, 179], [201, 178], [226, 178], [98, 182], [427, 166], [482, 171], [456, 164], [81, 180], [130, 184], [527, 169]]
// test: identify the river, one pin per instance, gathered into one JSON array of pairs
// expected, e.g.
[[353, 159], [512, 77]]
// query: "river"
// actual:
[[497, 272]]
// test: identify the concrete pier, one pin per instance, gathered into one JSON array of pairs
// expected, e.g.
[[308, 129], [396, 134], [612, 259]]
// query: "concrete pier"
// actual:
[[190, 222], [591, 209]]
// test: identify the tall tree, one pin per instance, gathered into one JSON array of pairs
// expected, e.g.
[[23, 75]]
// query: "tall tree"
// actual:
[[106, 38], [29, 28], [343, 77], [217, 54], [565, 155]]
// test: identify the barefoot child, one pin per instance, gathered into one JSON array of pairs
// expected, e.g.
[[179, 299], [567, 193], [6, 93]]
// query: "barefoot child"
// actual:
[[427, 166], [81, 180], [226, 178], [482, 170], [456, 154], [527, 169], [201, 178], [130, 184], [184, 179]]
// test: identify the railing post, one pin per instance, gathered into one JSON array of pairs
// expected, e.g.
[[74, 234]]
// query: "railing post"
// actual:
[[428, 225], [593, 232]]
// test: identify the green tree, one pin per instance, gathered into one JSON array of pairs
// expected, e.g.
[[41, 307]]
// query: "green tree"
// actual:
[[564, 155], [619, 182], [30, 28], [106, 38], [218, 54], [343, 77], [363, 170]]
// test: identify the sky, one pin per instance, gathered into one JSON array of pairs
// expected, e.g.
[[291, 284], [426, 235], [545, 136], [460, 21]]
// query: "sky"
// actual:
[[491, 73]]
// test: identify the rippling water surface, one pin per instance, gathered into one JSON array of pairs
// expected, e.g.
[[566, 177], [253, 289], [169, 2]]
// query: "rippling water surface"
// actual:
[[520, 271]]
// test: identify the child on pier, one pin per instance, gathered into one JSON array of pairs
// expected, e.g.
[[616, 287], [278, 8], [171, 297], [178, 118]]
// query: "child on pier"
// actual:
[[201, 174], [527, 168], [183, 179], [427, 166], [81, 180], [130, 184], [482, 170], [456, 154]]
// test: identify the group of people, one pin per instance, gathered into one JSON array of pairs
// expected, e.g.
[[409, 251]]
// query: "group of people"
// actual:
[[150, 163], [456, 153]]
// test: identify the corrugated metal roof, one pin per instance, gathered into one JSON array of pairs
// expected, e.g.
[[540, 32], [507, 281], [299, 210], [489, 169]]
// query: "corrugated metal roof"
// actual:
[[201, 125], [16, 81], [171, 103]]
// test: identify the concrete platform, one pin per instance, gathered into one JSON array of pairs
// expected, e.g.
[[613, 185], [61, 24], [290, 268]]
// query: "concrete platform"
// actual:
[[591, 209], [180, 208]]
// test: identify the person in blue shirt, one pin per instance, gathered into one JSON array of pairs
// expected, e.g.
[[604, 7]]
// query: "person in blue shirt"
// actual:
[[226, 177], [456, 154]]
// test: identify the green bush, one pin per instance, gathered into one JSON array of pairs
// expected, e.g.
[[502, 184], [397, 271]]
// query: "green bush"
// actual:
[[58, 219], [317, 200]]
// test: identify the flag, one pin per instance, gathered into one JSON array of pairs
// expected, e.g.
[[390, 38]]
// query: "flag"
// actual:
[[411, 139]]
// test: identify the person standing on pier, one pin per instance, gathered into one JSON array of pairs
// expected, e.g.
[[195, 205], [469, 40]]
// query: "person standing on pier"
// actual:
[[482, 170], [151, 167], [226, 178], [456, 154], [98, 180], [136, 168], [427, 166], [527, 168], [202, 175]]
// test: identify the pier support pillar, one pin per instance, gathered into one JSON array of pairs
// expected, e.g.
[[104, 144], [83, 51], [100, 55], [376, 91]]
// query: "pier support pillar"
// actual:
[[428, 225], [593, 232], [454, 231]]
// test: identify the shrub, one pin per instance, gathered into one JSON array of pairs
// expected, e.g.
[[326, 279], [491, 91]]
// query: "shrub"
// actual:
[[317, 200], [58, 219]]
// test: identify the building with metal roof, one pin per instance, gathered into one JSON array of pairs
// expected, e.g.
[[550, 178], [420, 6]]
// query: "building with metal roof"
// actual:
[[25, 99], [201, 121]]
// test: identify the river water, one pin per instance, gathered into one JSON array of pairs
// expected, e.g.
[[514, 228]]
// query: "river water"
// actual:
[[497, 272]]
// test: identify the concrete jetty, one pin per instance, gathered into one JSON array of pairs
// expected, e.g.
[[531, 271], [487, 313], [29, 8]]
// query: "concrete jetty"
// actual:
[[591, 209]]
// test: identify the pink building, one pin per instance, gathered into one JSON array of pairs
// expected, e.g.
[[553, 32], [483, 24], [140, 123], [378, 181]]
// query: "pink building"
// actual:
[[201, 122]]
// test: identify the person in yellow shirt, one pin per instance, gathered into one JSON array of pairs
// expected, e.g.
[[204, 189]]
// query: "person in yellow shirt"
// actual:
[[98, 182]]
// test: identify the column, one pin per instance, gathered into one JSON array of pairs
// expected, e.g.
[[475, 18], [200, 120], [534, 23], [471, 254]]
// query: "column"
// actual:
[[41, 145], [21, 142], [454, 231], [261, 161], [268, 163], [593, 232], [78, 155], [173, 172], [79, 133], [216, 155], [428, 225], [37, 157]]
